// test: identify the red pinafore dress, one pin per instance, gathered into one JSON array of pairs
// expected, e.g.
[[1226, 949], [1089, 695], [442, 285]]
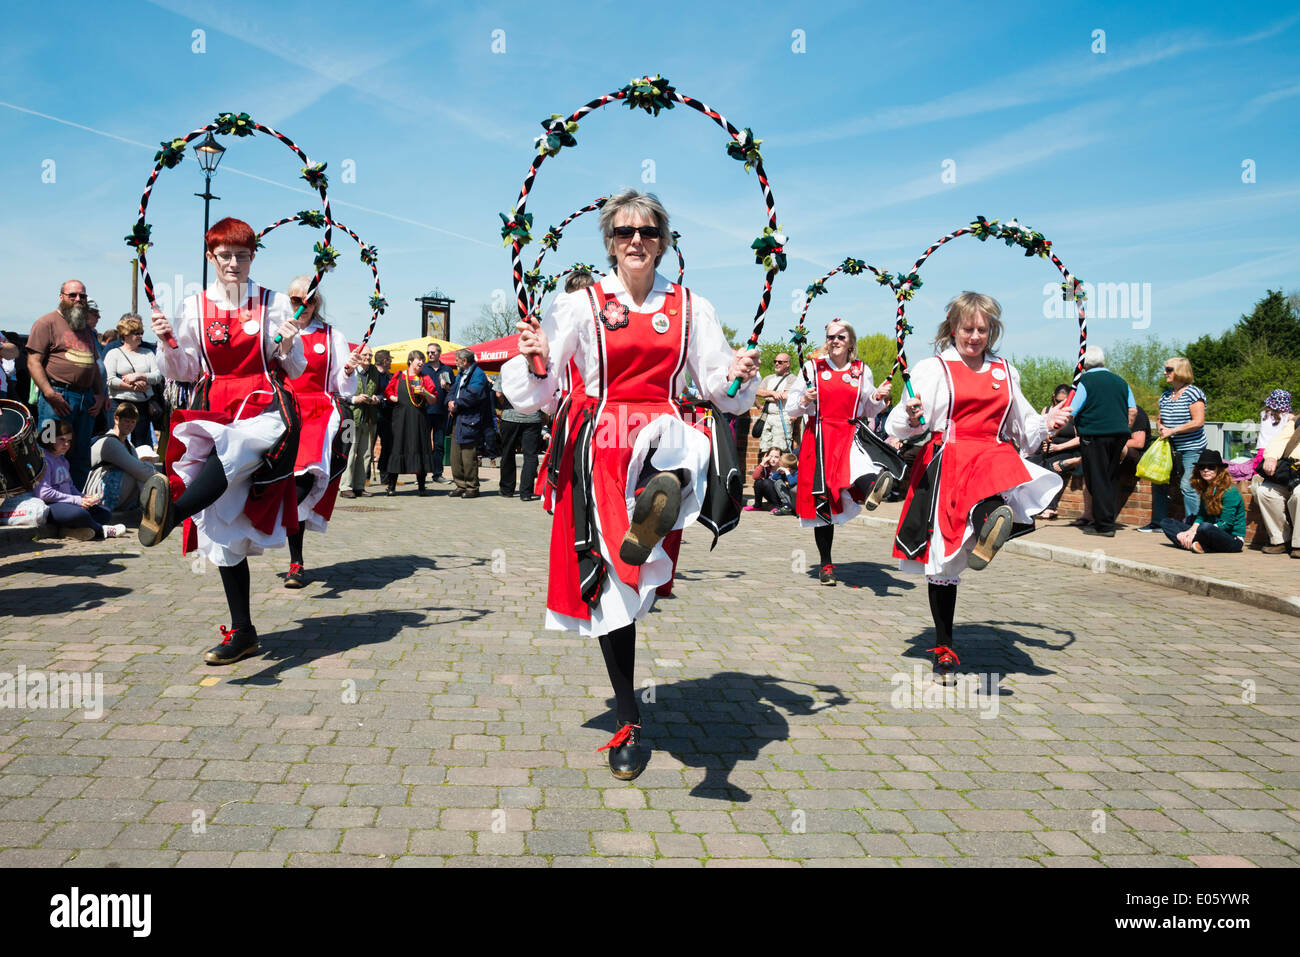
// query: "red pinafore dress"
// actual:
[[317, 444], [824, 467], [236, 385], [640, 359], [974, 461]]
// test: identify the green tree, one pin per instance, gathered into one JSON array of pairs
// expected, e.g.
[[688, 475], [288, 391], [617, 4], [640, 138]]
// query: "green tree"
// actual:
[[1040, 375]]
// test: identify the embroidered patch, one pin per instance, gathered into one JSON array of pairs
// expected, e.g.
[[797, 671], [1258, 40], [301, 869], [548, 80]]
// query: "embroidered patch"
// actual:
[[218, 332], [660, 322], [614, 315]]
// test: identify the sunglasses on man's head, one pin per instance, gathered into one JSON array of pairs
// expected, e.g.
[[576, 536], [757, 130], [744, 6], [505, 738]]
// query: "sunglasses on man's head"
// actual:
[[627, 232]]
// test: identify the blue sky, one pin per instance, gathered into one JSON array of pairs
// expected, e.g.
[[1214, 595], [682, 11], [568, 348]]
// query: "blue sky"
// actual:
[[1130, 160]]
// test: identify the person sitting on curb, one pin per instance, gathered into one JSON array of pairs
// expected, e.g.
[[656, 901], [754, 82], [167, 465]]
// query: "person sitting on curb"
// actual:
[[1220, 524], [116, 472], [76, 515], [1279, 495]]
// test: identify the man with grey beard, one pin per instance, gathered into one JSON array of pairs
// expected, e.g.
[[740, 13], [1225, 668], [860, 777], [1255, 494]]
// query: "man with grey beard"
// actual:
[[62, 359]]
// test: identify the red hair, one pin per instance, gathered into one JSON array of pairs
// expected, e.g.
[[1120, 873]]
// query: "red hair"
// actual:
[[231, 232]]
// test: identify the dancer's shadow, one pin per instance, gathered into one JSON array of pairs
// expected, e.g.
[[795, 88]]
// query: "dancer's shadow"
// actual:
[[58, 599], [716, 722], [374, 574], [879, 578], [326, 635], [706, 575], [69, 565], [988, 648]]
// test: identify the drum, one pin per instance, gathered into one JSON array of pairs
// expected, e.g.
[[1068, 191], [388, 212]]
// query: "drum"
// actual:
[[21, 461]]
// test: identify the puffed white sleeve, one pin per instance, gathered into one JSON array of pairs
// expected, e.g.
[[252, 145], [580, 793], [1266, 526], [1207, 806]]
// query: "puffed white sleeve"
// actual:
[[1025, 424], [709, 357], [795, 406], [280, 311], [182, 364], [868, 404], [526, 391], [931, 387], [344, 383]]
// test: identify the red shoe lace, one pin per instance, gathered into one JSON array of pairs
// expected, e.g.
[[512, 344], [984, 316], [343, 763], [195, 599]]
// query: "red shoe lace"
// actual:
[[295, 568], [946, 655], [828, 569], [227, 634], [624, 733]]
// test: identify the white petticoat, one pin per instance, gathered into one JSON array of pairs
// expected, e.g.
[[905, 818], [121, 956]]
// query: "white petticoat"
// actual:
[[860, 464], [680, 446], [320, 476]]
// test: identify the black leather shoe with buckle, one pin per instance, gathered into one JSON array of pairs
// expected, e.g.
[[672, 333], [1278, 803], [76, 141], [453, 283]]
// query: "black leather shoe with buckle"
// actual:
[[626, 757]]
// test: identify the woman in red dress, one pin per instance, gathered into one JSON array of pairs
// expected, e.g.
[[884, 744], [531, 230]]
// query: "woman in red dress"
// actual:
[[632, 471], [230, 459], [323, 442], [970, 484], [837, 474]]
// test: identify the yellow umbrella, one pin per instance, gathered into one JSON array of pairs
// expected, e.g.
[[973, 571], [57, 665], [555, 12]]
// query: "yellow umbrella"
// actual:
[[400, 350]]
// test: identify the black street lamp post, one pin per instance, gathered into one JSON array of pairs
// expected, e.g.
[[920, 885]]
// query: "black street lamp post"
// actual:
[[209, 153]]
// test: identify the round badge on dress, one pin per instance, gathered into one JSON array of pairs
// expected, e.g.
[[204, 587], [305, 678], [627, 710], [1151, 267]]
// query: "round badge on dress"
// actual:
[[827, 375], [848, 379], [251, 327], [660, 322], [998, 373], [320, 348]]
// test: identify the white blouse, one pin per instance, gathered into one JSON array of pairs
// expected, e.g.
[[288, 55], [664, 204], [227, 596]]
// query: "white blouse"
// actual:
[[571, 334], [930, 383], [184, 363]]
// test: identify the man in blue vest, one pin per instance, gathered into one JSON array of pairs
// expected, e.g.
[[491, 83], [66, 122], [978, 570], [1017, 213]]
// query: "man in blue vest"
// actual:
[[1103, 411]]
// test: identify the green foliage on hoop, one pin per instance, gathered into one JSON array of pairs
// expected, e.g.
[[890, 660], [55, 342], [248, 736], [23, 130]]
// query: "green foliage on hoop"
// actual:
[[649, 93]]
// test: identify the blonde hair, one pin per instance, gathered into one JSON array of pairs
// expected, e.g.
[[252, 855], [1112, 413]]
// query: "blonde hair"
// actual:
[[962, 308], [1182, 371], [128, 324], [853, 335]]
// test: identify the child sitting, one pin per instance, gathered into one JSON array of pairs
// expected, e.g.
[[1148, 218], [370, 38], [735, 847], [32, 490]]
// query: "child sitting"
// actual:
[[79, 516]]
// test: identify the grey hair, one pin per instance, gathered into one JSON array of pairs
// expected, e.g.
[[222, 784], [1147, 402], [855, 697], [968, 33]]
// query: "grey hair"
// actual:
[[853, 335], [629, 200], [299, 285], [466, 354], [1093, 357]]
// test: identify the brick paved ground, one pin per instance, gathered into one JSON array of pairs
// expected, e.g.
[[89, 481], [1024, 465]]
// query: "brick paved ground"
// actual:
[[408, 709]]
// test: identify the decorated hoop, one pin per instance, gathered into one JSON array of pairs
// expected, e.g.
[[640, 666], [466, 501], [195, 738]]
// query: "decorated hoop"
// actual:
[[651, 94], [171, 155], [850, 267], [1013, 234], [315, 219]]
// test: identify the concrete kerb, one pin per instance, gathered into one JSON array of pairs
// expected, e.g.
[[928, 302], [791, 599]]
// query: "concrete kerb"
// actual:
[[1099, 561]]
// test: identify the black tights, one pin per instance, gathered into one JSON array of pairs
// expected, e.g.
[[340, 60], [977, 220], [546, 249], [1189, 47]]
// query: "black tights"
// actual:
[[206, 488], [943, 605], [619, 649], [303, 484], [235, 580], [824, 535]]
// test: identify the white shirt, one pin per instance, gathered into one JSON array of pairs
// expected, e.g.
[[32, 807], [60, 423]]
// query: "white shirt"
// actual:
[[571, 334], [184, 363], [930, 383]]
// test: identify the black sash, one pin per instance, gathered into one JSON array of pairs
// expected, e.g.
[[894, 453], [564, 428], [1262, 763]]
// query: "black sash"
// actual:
[[720, 510], [592, 567], [917, 527]]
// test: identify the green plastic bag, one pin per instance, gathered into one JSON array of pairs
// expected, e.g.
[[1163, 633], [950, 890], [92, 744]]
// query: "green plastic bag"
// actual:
[[1156, 463]]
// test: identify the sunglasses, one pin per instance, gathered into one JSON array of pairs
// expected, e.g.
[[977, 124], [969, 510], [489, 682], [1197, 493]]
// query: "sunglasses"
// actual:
[[299, 300], [627, 232], [842, 336], [1168, 370], [74, 295]]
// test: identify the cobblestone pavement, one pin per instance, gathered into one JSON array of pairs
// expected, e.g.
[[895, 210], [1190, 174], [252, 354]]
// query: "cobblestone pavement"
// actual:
[[408, 709]]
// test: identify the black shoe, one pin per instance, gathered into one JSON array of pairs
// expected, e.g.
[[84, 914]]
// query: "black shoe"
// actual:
[[236, 643], [653, 516], [391, 490], [626, 757], [456, 492], [504, 494], [827, 575], [528, 498], [157, 518], [295, 578], [1104, 532], [423, 492], [471, 493], [884, 484], [994, 534]]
